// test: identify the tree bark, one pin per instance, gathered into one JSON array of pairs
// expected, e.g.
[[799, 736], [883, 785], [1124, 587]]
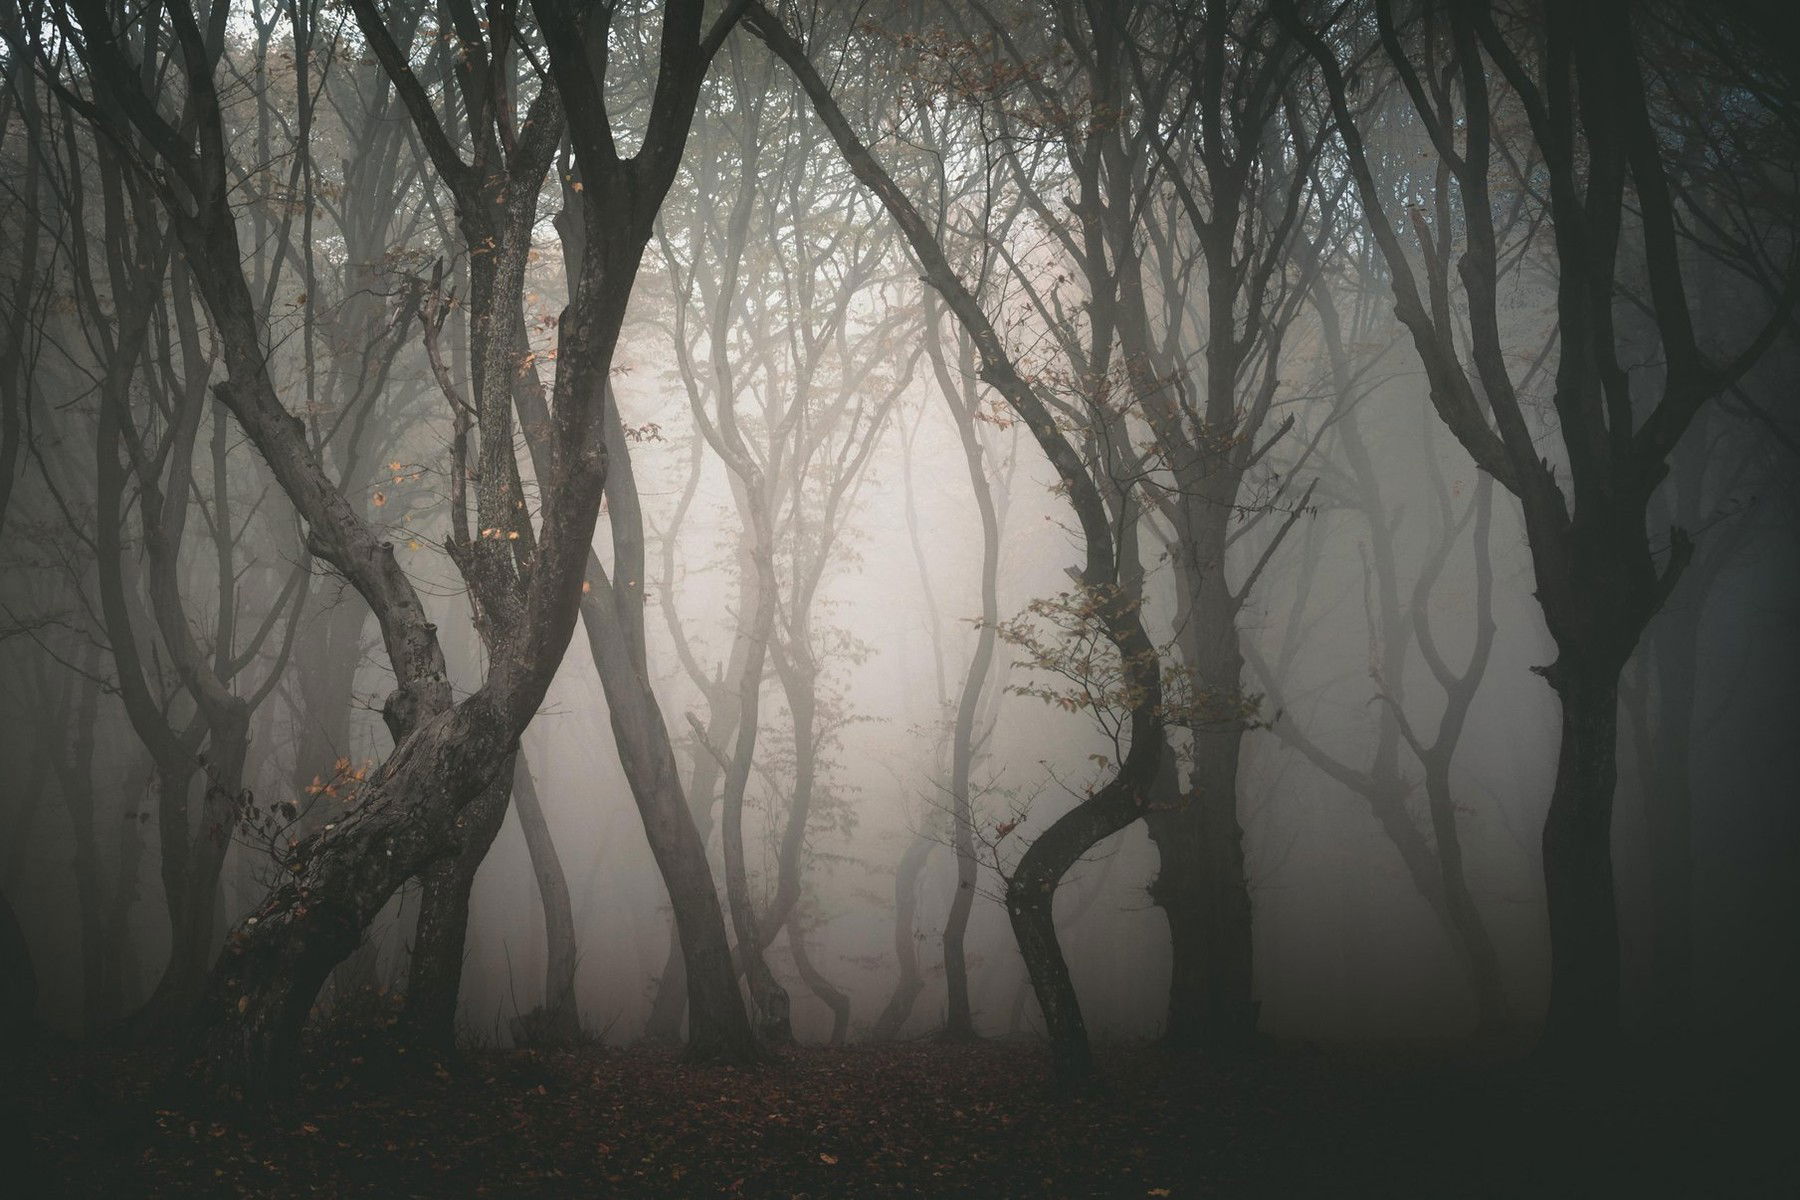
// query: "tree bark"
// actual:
[[434, 974]]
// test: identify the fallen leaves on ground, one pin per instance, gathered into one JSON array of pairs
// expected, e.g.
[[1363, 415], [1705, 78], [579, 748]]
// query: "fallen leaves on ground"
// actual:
[[920, 1118]]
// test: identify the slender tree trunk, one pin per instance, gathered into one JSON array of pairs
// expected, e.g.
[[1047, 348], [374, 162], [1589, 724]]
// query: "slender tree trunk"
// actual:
[[669, 1006], [557, 1021], [959, 1022], [1469, 931], [193, 859], [906, 941], [434, 975], [819, 986], [768, 999]]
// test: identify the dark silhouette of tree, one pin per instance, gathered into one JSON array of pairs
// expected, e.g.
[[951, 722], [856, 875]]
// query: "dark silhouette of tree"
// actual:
[[1556, 101]]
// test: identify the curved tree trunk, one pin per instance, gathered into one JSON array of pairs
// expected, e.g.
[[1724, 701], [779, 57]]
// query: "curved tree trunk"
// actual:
[[959, 1020], [819, 986], [906, 941], [557, 1021]]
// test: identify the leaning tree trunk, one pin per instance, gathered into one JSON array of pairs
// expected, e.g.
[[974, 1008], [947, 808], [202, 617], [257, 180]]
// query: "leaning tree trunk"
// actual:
[[434, 975], [906, 943], [557, 1021], [1031, 892]]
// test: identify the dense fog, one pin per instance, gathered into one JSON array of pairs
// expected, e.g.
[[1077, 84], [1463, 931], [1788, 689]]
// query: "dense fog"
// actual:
[[709, 525]]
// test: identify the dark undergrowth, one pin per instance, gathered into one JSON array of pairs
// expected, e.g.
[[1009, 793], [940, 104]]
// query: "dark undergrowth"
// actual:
[[914, 1119]]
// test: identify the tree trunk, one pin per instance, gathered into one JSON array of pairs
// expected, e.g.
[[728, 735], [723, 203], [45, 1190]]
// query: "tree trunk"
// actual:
[[959, 1021], [557, 1021], [768, 999], [718, 1027], [1672, 651], [434, 975], [1031, 893], [192, 860], [906, 943], [1468, 930], [669, 1006], [1583, 1020], [819, 986], [75, 775], [18, 978], [122, 963], [1203, 894]]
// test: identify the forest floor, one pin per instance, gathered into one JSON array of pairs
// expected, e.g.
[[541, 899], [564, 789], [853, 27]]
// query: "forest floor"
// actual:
[[919, 1118]]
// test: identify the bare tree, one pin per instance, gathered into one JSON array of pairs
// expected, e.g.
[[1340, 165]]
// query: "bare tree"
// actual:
[[1574, 76]]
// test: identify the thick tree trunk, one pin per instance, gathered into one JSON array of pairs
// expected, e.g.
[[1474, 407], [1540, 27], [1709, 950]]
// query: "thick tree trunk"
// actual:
[[1583, 1020], [434, 975], [276, 959], [557, 1021], [1672, 650], [906, 943], [1203, 894], [1200, 883]]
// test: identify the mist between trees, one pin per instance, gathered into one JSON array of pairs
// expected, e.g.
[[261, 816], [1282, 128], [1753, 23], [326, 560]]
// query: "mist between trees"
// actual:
[[719, 524]]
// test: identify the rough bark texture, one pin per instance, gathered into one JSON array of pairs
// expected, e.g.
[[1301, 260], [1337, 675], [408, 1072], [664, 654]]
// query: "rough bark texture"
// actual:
[[434, 973], [257, 998]]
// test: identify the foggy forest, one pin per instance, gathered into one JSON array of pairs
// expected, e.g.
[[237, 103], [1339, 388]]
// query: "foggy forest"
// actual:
[[917, 597]]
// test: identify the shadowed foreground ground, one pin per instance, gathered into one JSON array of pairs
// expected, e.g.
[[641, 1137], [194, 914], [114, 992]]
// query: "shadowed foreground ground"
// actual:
[[915, 1119]]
